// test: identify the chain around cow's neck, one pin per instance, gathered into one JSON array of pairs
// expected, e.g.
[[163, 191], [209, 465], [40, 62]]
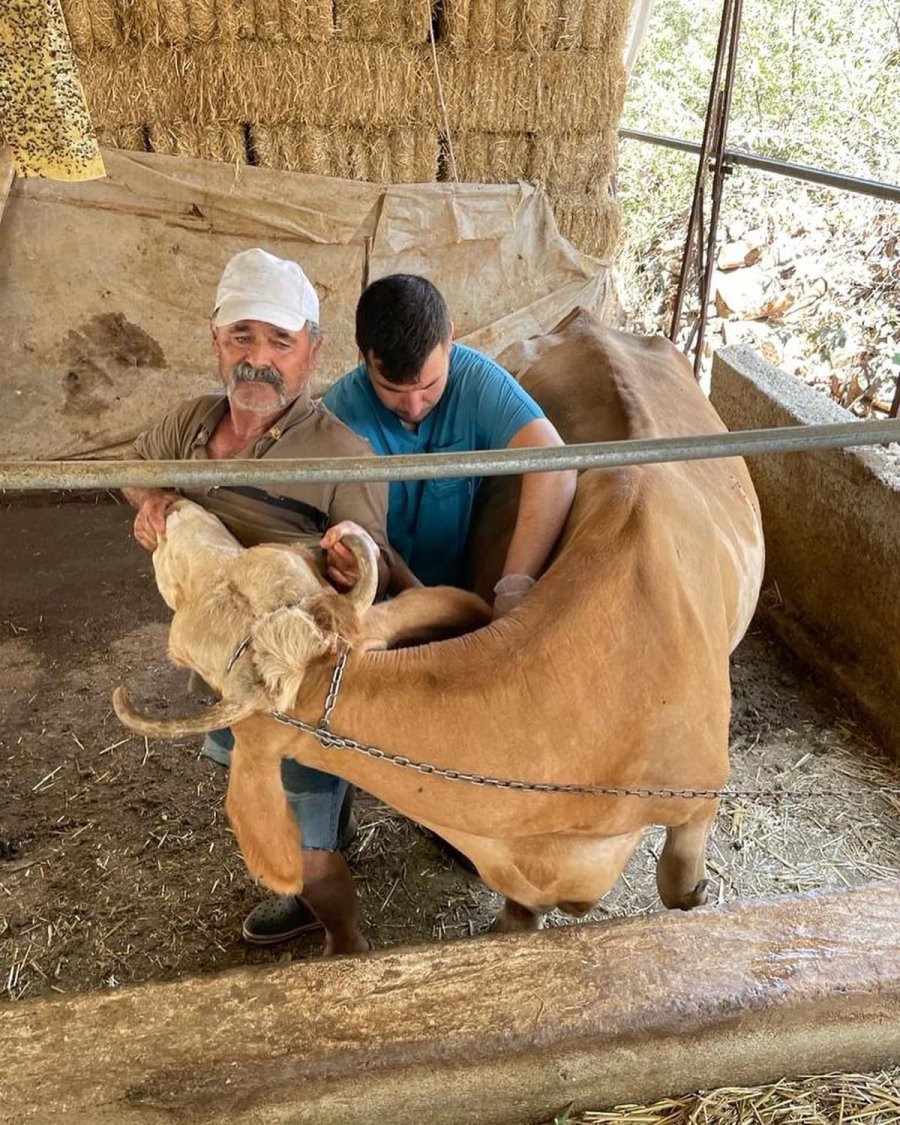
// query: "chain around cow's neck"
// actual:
[[323, 734]]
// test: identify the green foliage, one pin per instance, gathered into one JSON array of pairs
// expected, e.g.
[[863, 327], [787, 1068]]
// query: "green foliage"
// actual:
[[817, 83]]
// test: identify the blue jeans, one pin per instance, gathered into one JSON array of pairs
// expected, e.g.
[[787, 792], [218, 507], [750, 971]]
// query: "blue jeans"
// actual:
[[315, 797]]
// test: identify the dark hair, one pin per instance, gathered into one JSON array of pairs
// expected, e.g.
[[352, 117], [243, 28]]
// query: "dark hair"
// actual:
[[400, 320]]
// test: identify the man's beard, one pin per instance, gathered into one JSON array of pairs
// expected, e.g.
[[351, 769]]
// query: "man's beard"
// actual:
[[244, 374]]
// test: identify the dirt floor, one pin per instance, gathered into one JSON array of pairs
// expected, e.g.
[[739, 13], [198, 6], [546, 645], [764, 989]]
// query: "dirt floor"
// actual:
[[116, 862]]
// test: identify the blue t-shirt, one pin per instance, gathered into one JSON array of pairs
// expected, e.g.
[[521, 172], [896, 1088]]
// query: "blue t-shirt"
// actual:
[[482, 407]]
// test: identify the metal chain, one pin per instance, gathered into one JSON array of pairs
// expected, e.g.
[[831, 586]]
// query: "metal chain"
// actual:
[[326, 738], [333, 689]]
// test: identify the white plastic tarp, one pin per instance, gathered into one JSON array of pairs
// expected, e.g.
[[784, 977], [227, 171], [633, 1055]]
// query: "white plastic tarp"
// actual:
[[106, 287]]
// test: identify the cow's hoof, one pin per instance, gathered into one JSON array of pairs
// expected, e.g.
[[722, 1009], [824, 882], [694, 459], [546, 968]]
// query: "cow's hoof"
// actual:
[[515, 919], [698, 896]]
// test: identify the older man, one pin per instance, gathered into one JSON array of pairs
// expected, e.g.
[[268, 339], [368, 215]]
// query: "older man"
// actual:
[[416, 391], [265, 336]]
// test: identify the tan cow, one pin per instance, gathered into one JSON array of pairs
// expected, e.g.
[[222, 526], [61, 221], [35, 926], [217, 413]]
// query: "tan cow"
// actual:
[[613, 673]]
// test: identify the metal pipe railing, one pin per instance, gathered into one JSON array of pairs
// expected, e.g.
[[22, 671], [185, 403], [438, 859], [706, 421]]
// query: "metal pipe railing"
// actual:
[[48, 475], [776, 167]]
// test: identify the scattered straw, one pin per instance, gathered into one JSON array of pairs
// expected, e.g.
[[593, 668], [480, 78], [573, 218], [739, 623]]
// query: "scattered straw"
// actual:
[[851, 1099]]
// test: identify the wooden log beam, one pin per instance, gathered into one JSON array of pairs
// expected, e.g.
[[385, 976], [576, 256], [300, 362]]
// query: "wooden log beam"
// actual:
[[495, 1029]]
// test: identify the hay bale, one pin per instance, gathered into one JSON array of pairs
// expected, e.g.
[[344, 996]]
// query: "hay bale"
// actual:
[[216, 140], [133, 137], [572, 160], [77, 14], [589, 219], [134, 84], [414, 156], [533, 25], [140, 22], [267, 21], [388, 156], [363, 85], [491, 25], [307, 19], [174, 21], [605, 25], [202, 20], [105, 25], [566, 28], [399, 21], [292, 148], [492, 158], [518, 91]]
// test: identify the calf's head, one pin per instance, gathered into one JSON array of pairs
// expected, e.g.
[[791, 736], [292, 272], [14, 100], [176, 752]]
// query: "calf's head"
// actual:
[[249, 621]]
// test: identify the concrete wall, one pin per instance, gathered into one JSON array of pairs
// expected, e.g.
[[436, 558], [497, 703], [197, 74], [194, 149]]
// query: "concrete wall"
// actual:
[[832, 525]]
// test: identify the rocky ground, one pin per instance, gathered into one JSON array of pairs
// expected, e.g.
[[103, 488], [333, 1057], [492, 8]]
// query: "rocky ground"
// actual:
[[809, 277]]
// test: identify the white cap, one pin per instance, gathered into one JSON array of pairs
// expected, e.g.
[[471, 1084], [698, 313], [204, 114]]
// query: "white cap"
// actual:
[[256, 285]]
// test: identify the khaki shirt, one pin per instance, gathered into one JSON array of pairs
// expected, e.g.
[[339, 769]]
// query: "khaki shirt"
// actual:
[[280, 513]]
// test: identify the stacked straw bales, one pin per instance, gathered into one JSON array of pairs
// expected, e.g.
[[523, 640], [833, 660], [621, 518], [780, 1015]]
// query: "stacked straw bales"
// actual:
[[510, 90]]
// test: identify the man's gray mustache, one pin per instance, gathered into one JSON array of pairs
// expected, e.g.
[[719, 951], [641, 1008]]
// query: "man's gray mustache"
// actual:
[[246, 373]]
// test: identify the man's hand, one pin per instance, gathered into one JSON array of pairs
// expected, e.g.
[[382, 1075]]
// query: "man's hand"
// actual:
[[510, 591], [341, 566], [150, 521]]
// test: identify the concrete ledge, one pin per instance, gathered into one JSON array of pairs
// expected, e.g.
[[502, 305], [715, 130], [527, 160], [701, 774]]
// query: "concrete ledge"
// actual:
[[832, 525], [494, 1030]]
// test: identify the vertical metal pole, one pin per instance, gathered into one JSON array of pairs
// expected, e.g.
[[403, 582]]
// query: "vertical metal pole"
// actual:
[[895, 405], [720, 169], [696, 219]]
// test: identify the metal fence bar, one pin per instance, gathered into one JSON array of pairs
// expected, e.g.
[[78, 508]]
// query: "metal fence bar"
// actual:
[[777, 167], [47, 475]]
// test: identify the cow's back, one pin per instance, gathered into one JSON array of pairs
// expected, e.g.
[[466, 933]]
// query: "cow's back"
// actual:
[[597, 384]]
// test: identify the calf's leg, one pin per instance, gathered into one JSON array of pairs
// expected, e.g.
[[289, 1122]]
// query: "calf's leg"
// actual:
[[681, 870]]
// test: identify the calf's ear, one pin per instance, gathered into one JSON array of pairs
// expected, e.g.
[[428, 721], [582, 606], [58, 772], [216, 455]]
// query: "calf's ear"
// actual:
[[285, 643]]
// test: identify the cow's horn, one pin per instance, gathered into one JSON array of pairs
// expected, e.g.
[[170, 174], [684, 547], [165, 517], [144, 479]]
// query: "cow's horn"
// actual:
[[362, 595], [213, 718]]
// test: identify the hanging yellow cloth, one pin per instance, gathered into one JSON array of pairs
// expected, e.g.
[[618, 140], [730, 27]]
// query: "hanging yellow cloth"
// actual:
[[43, 115]]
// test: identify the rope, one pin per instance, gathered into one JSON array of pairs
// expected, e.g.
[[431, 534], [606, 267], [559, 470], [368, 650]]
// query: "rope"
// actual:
[[440, 88]]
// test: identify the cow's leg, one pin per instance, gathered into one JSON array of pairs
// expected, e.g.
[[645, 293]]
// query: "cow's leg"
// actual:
[[516, 918], [423, 613], [571, 873], [267, 833], [681, 871]]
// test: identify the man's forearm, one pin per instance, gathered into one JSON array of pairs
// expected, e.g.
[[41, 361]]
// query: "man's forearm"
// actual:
[[401, 577], [137, 496], [544, 503]]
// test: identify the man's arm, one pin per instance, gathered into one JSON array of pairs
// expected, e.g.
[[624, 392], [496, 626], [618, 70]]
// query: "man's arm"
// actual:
[[544, 503]]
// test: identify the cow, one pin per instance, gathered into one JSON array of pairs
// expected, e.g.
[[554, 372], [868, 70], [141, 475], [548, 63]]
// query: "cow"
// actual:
[[612, 675]]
